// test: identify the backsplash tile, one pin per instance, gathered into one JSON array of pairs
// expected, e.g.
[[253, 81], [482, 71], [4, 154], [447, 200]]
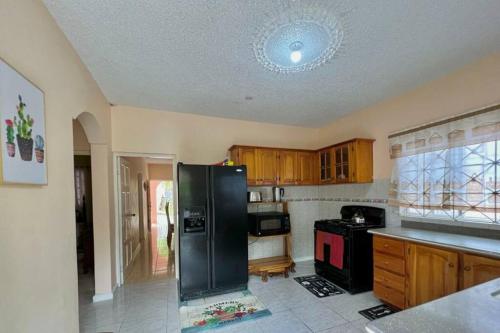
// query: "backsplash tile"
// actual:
[[307, 204]]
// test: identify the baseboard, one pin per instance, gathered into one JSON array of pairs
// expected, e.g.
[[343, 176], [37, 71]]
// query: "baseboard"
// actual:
[[301, 259], [102, 297]]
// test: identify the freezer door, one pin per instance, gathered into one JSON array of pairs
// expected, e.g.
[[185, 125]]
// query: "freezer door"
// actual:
[[229, 227], [194, 245]]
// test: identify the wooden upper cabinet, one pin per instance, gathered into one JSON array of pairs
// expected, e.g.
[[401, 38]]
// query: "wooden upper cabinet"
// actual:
[[288, 168], [266, 166], [477, 269], [361, 161], [342, 157], [246, 156], [347, 162], [325, 166], [306, 168], [432, 273]]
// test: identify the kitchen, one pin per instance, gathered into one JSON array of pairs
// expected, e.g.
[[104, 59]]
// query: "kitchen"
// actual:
[[408, 263], [360, 137]]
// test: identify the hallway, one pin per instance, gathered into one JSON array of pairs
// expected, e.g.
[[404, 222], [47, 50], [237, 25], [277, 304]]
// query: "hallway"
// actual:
[[156, 261]]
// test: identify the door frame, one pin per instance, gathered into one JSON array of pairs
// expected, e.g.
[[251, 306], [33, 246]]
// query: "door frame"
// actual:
[[118, 252]]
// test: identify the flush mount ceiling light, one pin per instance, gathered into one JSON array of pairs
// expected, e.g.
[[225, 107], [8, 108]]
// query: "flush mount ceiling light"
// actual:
[[300, 38]]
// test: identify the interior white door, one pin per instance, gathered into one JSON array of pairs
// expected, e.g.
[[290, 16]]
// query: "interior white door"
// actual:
[[127, 215]]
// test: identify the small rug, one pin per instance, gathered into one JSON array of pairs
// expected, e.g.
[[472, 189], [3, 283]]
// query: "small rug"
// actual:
[[203, 317], [319, 286], [377, 312]]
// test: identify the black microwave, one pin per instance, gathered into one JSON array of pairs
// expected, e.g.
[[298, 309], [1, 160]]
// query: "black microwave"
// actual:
[[268, 223]]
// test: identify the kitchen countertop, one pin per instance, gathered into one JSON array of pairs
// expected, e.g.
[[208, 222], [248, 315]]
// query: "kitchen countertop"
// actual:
[[472, 310], [474, 244]]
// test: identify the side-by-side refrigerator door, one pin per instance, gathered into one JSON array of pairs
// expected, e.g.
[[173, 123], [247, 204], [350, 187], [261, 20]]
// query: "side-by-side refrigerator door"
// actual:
[[193, 189], [229, 227]]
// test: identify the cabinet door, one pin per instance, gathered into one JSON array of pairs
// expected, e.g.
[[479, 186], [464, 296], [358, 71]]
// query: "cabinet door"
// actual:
[[305, 168], [432, 273], [266, 170], [325, 162], [342, 165], [247, 157], [479, 269], [287, 167]]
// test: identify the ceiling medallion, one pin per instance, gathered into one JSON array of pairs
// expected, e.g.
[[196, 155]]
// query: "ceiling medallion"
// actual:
[[300, 38]]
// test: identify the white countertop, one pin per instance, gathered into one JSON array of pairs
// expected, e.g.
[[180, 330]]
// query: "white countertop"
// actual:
[[479, 245], [472, 310]]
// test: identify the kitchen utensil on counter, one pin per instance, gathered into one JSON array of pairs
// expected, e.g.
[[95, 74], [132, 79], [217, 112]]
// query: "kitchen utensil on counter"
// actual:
[[254, 196], [358, 218], [278, 193]]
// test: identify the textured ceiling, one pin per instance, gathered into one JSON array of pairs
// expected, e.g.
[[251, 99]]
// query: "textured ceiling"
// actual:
[[196, 56]]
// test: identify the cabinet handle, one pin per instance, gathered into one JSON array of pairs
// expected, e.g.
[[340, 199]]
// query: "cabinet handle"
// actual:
[[386, 245], [451, 265], [467, 268]]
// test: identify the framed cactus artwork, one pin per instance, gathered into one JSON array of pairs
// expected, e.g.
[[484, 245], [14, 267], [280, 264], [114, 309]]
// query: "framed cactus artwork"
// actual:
[[23, 151]]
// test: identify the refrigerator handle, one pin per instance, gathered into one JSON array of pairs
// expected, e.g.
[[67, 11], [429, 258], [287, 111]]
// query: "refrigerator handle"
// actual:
[[208, 228], [212, 227]]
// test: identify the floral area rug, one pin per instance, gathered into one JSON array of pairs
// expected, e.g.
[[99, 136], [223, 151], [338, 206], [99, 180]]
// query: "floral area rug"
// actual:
[[208, 316]]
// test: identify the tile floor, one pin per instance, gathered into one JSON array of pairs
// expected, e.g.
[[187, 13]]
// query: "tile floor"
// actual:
[[148, 301], [152, 306]]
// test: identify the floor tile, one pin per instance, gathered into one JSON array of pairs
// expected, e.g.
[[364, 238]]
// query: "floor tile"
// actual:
[[151, 305], [317, 317]]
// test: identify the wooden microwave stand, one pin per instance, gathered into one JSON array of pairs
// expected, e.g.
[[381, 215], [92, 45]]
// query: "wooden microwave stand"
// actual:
[[265, 267]]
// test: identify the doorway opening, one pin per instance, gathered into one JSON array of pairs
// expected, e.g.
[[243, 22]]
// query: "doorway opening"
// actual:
[[162, 227], [83, 212], [146, 217]]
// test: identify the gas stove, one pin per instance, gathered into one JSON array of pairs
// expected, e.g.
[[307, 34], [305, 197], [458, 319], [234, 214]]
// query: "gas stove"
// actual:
[[351, 268], [347, 223]]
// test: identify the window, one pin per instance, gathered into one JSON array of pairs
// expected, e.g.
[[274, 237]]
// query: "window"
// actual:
[[457, 183], [449, 170]]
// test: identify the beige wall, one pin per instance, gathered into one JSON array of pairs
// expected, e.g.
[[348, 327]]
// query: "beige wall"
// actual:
[[197, 139], [38, 283], [475, 86], [160, 171]]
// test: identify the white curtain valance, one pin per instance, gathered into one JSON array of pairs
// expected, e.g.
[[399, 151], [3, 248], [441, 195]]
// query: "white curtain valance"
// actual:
[[471, 128]]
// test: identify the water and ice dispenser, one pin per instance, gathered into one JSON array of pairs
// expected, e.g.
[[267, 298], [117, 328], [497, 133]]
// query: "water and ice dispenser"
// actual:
[[194, 220]]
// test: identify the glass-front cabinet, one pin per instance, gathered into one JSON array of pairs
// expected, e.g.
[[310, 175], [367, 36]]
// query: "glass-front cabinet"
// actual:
[[325, 162], [342, 165]]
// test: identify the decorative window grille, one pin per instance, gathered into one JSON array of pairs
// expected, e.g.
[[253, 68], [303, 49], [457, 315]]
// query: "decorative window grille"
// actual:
[[449, 170]]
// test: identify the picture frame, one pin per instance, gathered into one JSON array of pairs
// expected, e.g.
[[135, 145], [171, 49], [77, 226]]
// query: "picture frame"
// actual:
[[23, 153]]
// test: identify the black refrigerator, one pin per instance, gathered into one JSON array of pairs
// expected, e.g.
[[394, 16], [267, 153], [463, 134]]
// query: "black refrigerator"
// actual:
[[213, 230]]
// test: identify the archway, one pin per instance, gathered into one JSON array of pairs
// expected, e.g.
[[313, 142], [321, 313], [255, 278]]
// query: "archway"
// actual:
[[102, 235]]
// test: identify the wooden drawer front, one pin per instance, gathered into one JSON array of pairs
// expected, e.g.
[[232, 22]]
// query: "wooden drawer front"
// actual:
[[389, 295], [389, 246], [389, 279], [389, 263]]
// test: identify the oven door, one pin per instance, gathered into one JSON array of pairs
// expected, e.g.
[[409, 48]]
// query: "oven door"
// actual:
[[270, 226], [326, 257]]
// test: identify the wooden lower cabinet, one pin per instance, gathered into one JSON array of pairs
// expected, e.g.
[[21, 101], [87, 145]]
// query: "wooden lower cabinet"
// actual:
[[389, 271], [388, 295], [432, 273], [478, 270], [407, 274]]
